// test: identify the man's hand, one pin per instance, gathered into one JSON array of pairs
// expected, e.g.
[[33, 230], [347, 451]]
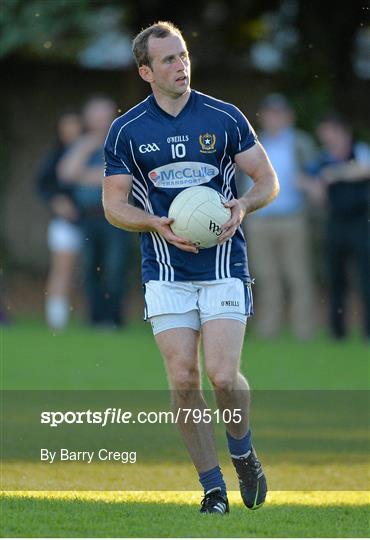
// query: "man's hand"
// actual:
[[120, 213], [333, 173], [89, 143], [238, 211], [163, 228]]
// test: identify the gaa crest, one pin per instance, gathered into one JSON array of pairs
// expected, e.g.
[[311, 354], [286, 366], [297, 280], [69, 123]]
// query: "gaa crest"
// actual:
[[207, 143]]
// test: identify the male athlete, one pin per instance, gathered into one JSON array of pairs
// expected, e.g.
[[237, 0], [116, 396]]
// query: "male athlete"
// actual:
[[174, 139]]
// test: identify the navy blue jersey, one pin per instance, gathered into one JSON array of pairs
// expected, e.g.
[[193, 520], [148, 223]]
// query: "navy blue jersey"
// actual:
[[166, 154]]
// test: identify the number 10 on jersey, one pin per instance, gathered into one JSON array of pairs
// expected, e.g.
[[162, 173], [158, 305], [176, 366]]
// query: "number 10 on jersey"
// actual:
[[178, 150]]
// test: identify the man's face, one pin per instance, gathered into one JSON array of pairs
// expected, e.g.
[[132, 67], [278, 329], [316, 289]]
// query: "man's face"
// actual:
[[334, 137], [69, 128], [98, 115], [274, 119], [170, 65]]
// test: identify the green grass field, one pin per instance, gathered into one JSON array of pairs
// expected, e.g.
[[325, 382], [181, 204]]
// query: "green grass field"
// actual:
[[175, 515], [34, 358]]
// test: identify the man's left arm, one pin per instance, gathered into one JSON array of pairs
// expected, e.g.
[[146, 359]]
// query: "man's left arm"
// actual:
[[353, 171], [73, 167], [255, 163]]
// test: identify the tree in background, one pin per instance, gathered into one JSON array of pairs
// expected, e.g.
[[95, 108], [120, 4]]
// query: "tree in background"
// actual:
[[317, 51]]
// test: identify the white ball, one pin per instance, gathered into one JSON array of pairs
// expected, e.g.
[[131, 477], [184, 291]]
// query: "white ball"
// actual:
[[199, 213]]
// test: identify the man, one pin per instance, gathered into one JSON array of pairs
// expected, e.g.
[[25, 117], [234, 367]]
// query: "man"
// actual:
[[105, 249], [163, 145], [344, 169], [278, 235]]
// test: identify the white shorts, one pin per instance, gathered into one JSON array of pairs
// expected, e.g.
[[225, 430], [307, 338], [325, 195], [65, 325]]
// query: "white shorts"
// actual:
[[64, 236], [190, 304]]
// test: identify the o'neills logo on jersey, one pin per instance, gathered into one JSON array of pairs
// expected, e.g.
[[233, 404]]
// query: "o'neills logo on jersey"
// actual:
[[182, 174]]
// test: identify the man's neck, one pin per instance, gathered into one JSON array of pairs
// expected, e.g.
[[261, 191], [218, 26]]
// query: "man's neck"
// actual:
[[341, 152], [277, 132], [172, 105]]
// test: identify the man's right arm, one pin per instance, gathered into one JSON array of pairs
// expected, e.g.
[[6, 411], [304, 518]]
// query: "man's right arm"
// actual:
[[120, 213]]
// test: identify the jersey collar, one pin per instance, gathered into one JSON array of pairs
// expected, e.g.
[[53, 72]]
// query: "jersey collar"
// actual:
[[184, 111]]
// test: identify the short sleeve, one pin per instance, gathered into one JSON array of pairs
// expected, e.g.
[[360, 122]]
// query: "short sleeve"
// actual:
[[116, 153], [362, 153], [312, 168], [242, 135]]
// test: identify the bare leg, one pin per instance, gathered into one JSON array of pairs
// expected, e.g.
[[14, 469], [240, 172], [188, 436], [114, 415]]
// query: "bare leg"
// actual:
[[62, 265], [179, 348], [222, 342]]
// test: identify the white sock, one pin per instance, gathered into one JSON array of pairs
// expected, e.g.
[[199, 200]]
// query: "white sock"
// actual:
[[57, 312]]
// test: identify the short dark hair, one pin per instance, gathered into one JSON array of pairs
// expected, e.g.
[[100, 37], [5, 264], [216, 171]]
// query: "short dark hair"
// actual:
[[160, 29], [98, 98], [275, 101], [336, 119]]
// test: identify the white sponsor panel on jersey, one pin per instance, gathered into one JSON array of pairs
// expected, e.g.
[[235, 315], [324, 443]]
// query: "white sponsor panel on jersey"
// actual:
[[182, 174]]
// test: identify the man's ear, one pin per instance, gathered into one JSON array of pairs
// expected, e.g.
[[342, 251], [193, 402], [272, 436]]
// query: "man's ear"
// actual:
[[146, 74]]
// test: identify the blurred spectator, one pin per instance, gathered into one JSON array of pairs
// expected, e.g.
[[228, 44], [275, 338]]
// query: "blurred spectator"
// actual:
[[344, 169], [105, 248], [64, 235], [4, 319], [278, 234]]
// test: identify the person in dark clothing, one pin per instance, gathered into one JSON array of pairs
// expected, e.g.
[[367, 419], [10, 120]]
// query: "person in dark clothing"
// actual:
[[344, 168], [64, 235], [105, 248]]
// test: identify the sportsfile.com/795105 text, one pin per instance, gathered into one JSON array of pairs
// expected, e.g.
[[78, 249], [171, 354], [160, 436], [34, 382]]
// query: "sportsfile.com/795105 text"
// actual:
[[119, 416]]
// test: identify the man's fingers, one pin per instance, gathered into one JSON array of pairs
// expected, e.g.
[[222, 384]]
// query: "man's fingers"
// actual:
[[228, 233], [179, 240], [230, 204], [186, 246], [181, 243], [170, 236], [222, 239], [224, 236], [190, 248], [228, 224], [231, 224]]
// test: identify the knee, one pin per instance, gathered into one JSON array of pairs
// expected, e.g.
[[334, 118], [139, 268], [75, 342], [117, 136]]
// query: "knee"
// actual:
[[185, 379], [222, 381]]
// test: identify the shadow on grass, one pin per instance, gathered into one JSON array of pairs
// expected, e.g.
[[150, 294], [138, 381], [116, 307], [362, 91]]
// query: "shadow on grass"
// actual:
[[43, 517]]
